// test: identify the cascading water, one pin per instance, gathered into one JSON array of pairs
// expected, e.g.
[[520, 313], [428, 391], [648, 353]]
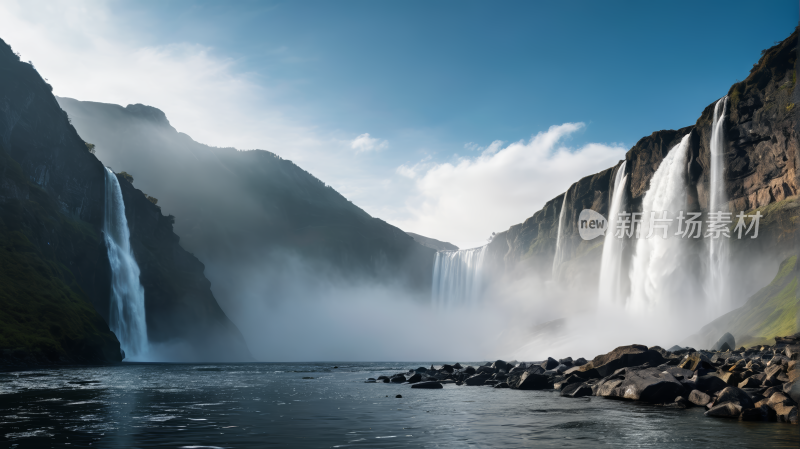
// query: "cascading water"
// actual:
[[610, 289], [718, 266], [658, 269], [127, 312], [458, 276], [558, 258]]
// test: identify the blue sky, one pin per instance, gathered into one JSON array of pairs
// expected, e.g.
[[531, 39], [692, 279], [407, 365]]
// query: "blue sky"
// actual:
[[434, 84]]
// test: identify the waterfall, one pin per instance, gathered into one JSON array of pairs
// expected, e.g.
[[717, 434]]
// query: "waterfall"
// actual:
[[658, 274], [458, 276], [610, 289], [716, 285], [559, 255], [127, 314]]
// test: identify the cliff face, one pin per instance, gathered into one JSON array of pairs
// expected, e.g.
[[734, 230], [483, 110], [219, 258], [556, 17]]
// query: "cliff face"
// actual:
[[761, 156], [262, 225], [38, 137]]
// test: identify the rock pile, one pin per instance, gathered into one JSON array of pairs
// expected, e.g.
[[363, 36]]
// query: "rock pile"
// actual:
[[757, 384]]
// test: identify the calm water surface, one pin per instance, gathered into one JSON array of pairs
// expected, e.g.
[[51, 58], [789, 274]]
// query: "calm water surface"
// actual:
[[271, 405]]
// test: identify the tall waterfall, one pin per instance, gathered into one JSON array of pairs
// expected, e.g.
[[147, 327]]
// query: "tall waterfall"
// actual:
[[718, 252], [558, 258], [610, 290], [458, 276], [127, 313], [658, 276]]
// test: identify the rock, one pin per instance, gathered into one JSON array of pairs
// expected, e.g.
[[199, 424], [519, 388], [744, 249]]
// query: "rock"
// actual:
[[786, 413], [793, 352], [695, 361], [725, 347], [458, 366], [386, 380], [675, 348], [428, 385], [477, 379], [579, 362], [501, 385], [750, 382], [469, 370], [730, 378], [417, 377], [779, 398], [566, 361], [752, 414], [678, 372], [710, 383], [681, 402], [530, 381], [650, 385], [736, 396], [792, 390], [502, 365], [370, 381], [577, 390], [699, 398], [608, 388], [399, 396], [549, 364], [398, 379], [448, 368], [726, 410], [485, 369], [621, 357], [727, 338]]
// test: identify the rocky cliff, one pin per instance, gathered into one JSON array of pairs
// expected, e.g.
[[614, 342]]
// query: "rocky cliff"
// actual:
[[54, 161], [760, 160]]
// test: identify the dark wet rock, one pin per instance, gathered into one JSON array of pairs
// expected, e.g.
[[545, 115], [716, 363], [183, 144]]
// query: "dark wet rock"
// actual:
[[502, 365], [370, 381], [566, 361], [579, 362], [469, 370], [529, 381], [429, 385], [458, 366], [398, 379], [649, 385], [501, 385], [750, 382], [675, 348], [577, 390], [681, 402], [733, 379], [699, 398], [726, 410], [549, 364], [477, 379], [696, 361], [786, 413], [736, 396], [621, 357], [793, 352], [417, 377], [485, 369], [677, 372], [399, 396], [448, 368], [752, 414]]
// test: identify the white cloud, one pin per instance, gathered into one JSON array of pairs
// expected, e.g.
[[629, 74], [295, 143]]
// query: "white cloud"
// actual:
[[364, 143], [464, 201]]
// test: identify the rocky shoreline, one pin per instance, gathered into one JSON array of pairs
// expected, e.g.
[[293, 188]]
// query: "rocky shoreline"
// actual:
[[761, 383]]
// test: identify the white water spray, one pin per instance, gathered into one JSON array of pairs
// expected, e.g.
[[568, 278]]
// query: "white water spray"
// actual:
[[658, 275], [127, 312], [458, 276], [558, 258], [718, 252], [611, 281]]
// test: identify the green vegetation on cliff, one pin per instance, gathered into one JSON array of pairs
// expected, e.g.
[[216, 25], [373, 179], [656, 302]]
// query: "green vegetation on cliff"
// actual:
[[44, 315]]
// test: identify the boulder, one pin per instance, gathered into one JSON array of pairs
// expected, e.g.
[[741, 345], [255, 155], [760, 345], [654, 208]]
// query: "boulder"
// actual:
[[501, 385], [675, 348], [709, 383], [530, 381], [725, 339], [477, 379], [650, 385], [699, 398], [678, 372], [417, 377], [725, 347], [566, 361], [736, 396], [786, 413], [448, 368], [726, 410], [793, 352], [428, 385], [458, 366], [398, 379], [577, 390], [621, 357], [752, 414], [695, 361], [579, 362], [750, 382], [502, 365], [730, 378], [549, 364], [469, 370]]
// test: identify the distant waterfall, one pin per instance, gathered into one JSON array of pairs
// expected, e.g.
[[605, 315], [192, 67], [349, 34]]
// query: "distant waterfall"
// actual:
[[718, 252], [458, 276], [610, 290], [127, 314], [558, 258], [657, 268]]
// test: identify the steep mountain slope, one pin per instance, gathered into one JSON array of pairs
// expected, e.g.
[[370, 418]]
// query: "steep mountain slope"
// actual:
[[261, 224], [438, 245], [38, 138]]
